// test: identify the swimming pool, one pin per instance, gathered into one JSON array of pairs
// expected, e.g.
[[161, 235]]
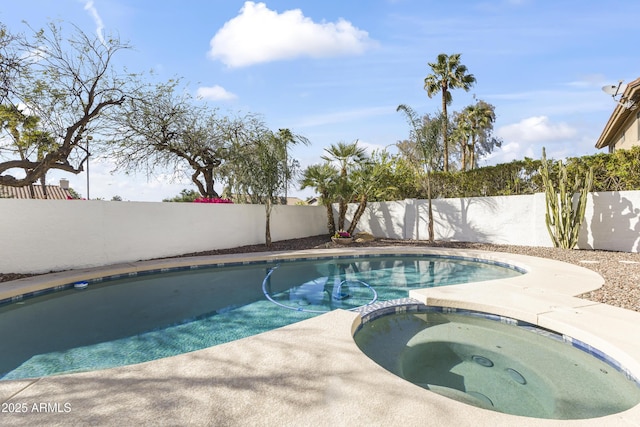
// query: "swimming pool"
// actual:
[[125, 320], [497, 363]]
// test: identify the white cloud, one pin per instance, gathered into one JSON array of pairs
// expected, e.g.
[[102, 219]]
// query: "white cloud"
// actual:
[[509, 152], [215, 93], [527, 138], [88, 6], [536, 129], [259, 35]]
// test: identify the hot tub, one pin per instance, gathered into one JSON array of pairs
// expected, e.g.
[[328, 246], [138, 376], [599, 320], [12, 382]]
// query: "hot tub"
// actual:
[[497, 363]]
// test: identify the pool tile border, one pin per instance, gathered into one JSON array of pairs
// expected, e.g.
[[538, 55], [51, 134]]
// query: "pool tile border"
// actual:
[[141, 273]]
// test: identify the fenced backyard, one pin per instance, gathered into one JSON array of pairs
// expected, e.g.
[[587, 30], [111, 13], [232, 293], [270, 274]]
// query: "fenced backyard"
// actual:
[[49, 235]]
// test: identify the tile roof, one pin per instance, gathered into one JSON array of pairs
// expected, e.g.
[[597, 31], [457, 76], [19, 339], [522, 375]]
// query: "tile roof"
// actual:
[[54, 192]]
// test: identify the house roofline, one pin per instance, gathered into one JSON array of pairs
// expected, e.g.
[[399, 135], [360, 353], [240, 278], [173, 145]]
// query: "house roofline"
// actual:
[[619, 115]]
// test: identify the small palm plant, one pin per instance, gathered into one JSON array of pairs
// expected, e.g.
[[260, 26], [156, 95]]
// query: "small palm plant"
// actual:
[[322, 178], [348, 157]]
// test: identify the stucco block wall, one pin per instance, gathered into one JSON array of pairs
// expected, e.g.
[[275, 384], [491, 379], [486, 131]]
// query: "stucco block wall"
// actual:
[[515, 220], [47, 235], [611, 220]]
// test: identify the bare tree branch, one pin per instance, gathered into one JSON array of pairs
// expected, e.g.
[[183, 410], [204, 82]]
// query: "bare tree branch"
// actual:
[[68, 83]]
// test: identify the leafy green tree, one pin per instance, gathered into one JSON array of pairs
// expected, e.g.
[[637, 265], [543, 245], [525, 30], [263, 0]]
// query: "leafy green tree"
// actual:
[[69, 84], [426, 135], [412, 150], [401, 178], [409, 151], [26, 139], [448, 74], [261, 171], [347, 156], [163, 127], [408, 170], [323, 178]]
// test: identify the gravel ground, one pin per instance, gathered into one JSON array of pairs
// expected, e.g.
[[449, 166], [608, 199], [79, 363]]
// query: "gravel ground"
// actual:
[[621, 270]]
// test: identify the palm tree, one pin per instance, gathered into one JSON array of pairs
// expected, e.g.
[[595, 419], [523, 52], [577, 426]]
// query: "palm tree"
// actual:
[[461, 134], [448, 74], [480, 118], [289, 138], [323, 179], [347, 156], [371, 180]]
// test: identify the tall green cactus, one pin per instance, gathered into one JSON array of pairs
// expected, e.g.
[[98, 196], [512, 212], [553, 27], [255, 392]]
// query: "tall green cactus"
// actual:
[[563, 219]]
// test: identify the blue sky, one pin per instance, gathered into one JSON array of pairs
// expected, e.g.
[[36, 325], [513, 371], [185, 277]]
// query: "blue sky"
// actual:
[[335, 70]]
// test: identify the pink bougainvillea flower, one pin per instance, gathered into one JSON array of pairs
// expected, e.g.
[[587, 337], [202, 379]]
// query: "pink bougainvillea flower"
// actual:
[[212, 200]]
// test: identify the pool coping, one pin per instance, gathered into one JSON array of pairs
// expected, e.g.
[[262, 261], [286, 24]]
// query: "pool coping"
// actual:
[[313, 368]]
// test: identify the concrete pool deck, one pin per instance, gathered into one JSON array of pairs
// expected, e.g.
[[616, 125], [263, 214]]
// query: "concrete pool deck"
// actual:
[[312, 372]]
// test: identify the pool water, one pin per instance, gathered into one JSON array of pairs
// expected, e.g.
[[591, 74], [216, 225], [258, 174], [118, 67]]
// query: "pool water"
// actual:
[[505, 367], [146, 317]]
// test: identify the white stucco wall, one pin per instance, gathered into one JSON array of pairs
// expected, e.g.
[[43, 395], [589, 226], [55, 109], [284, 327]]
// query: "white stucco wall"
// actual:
[[512, 220], [612, 220], [382, 219], [49, 235]]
